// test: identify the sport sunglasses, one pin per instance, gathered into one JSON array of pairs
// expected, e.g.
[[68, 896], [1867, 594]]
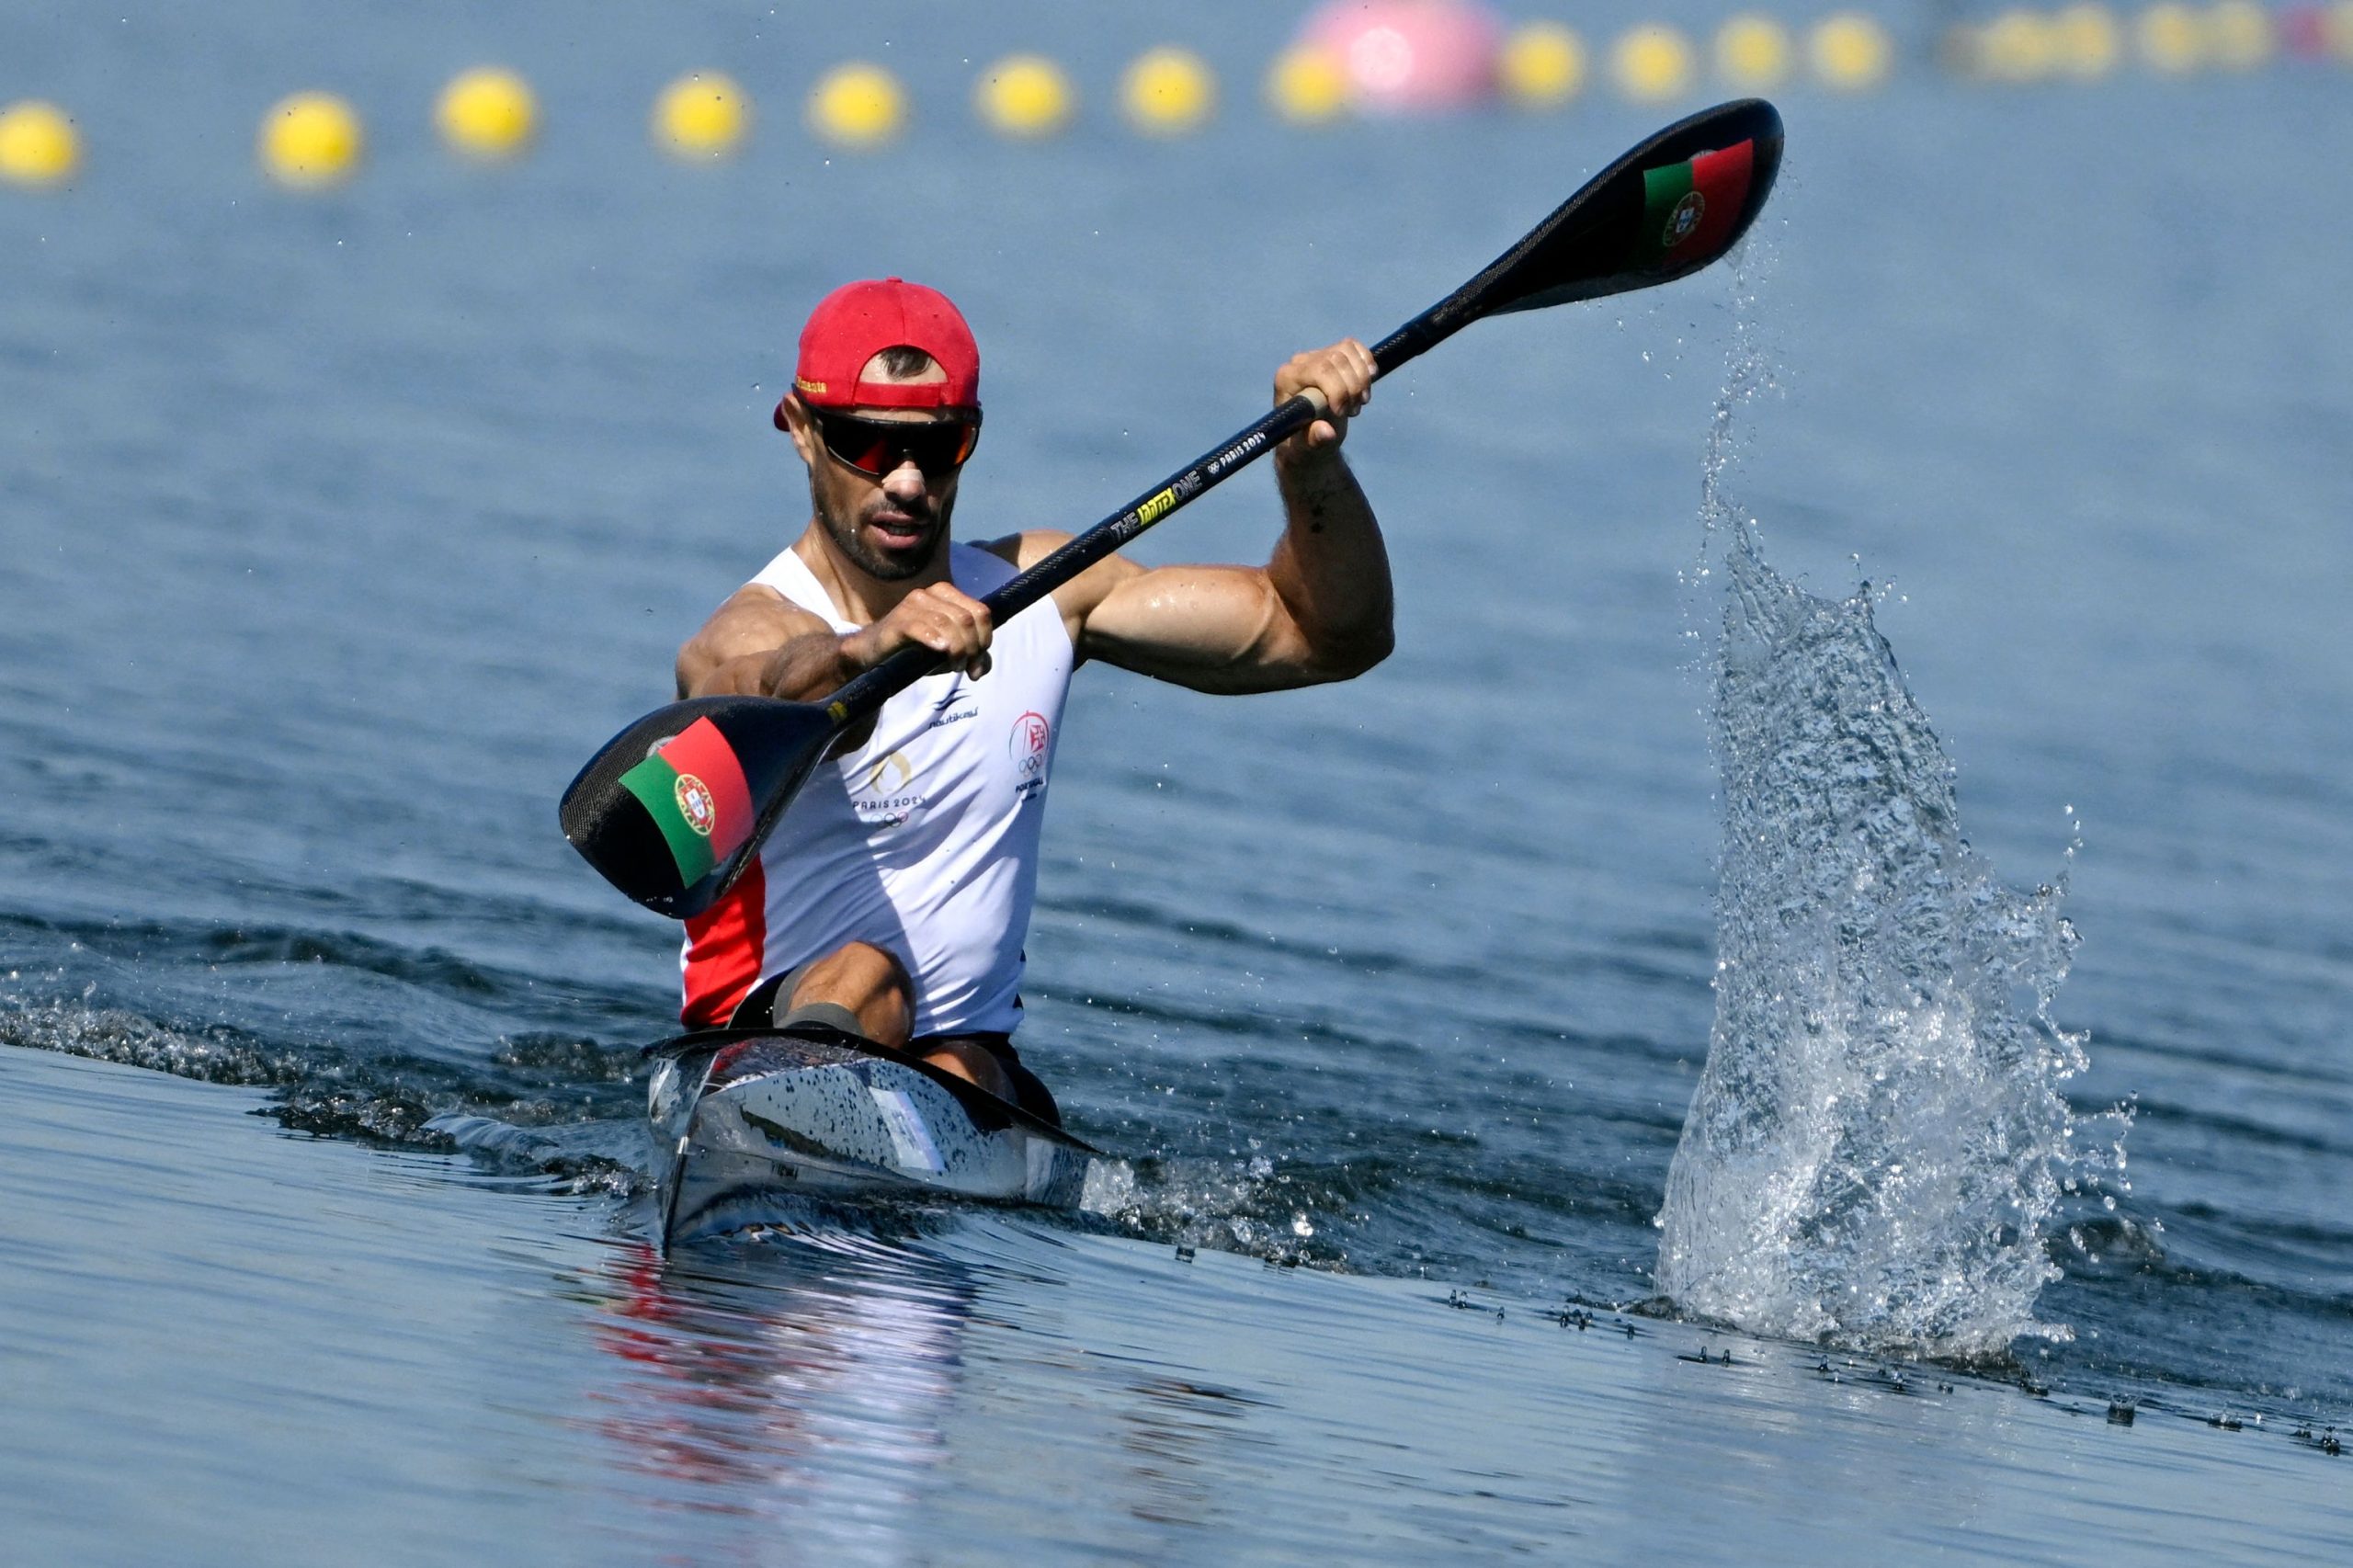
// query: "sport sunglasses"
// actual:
[[877, 446]]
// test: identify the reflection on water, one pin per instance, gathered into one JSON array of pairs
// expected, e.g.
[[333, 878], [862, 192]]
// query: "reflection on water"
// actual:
[[800, 1380], [826, 1386], [991, 1392], [1172, 1424]]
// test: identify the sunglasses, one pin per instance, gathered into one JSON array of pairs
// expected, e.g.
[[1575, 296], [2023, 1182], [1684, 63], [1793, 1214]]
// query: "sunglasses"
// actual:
[[876, 448]]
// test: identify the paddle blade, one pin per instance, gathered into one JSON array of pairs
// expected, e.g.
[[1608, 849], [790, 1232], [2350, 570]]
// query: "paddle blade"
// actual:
[[1666, 209], [674, 806]]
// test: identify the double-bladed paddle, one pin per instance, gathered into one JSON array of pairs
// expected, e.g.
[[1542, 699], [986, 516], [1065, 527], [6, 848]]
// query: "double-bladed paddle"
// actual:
[[674, 806]]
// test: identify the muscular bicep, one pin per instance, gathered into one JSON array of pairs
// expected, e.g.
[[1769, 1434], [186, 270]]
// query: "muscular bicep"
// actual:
[[1216, 628], [727, 656]]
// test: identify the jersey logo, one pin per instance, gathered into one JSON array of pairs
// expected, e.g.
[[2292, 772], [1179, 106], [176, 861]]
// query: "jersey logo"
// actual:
[[885, 795], [1031, 738], [893, 772]]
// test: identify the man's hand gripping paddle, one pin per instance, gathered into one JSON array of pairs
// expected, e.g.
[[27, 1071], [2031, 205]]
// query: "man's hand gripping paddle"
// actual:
[[674, 806]]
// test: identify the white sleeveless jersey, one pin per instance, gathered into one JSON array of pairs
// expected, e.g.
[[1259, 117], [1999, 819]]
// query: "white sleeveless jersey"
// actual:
[[923, 842]]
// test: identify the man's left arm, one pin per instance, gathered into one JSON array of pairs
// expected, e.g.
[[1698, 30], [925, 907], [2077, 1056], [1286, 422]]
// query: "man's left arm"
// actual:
[[1321, 609]]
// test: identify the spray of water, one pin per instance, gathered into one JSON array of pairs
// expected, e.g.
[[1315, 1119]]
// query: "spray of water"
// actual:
[[1880, 1140]]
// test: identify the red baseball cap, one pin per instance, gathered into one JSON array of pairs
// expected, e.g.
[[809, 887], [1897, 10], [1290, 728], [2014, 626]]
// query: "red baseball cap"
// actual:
[[857, 321]]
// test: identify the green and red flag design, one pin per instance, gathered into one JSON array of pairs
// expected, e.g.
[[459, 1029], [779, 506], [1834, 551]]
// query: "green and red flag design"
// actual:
[[1689, 208], [693, 788]]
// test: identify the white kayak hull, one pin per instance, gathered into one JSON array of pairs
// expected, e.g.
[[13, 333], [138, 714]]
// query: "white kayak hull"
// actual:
[[757, 1122]]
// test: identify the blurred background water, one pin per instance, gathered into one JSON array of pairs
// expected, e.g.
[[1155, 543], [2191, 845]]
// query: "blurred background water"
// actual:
[[340, 527]]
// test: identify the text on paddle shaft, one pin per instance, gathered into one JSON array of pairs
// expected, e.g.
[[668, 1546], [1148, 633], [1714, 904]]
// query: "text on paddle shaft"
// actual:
[[1241, 452], [1160, 505]]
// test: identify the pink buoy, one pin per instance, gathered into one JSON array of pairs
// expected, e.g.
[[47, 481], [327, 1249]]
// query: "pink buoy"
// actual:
[[2304, 30], [1409, 56]]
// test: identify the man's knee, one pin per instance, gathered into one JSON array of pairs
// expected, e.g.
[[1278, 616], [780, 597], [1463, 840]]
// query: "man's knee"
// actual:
[[856, 969], [974, 1064], [871, 984]]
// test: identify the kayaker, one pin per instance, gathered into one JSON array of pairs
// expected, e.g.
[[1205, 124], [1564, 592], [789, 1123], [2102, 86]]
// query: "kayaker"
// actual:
[[893, 898]]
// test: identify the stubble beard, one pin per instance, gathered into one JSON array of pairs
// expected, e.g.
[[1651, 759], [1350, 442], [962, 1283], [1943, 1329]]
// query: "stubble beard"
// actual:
[[893, 568]]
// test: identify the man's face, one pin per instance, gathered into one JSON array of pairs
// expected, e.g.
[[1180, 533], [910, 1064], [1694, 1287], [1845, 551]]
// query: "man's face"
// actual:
[[893, 528]]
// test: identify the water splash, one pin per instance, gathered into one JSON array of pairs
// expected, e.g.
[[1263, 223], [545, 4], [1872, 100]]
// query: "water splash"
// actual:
[[1248, 1207], [1880, 1141]]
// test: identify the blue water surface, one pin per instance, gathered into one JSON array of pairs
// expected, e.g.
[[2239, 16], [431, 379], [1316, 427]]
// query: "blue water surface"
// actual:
[[339, 529]]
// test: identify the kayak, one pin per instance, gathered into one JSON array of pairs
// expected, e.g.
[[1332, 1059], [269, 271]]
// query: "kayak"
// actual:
[[755, 1121]]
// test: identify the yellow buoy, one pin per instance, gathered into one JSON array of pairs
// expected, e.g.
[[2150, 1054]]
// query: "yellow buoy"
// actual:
[[2018, 46], [1025, 96], [1651, 63], [311, 140], [2171, 41], [1851, 51], [1168, 91], [704, 115], [1753, 53], [2339, 26], [1308, 86], [2089, 40], [2238, 34], [37, 144], [1542, 66], [858, 105], [487, 113]]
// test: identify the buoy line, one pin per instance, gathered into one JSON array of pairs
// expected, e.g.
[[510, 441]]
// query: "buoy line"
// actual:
[[1350, 58]]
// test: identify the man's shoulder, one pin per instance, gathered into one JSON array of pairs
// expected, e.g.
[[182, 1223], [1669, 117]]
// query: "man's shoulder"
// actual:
[[784, 573], [761, 605], [1076, 599], [1024, 550], [760, 596]]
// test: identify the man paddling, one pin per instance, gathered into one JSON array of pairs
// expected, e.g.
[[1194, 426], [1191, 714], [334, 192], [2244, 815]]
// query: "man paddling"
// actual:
[[892, 899]]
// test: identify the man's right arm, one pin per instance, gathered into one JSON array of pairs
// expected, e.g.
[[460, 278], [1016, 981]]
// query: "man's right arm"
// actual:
[[760, 643]]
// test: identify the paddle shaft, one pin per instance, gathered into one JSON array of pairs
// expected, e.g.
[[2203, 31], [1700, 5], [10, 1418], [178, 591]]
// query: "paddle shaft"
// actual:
[[864, 694]]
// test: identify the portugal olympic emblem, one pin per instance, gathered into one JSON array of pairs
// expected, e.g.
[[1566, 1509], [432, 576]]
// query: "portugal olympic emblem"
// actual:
[[1031, 735], [1684, 220], [695, 805]]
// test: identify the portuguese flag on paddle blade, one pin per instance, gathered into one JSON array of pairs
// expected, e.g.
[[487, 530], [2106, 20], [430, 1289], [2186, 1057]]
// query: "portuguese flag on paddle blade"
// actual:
[[693, 789], [1689, 208]]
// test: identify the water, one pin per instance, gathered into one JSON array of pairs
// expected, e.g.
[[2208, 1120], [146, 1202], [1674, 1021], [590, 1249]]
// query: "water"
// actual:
[[1881, 1139], [985, 1392], [339, 531]]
